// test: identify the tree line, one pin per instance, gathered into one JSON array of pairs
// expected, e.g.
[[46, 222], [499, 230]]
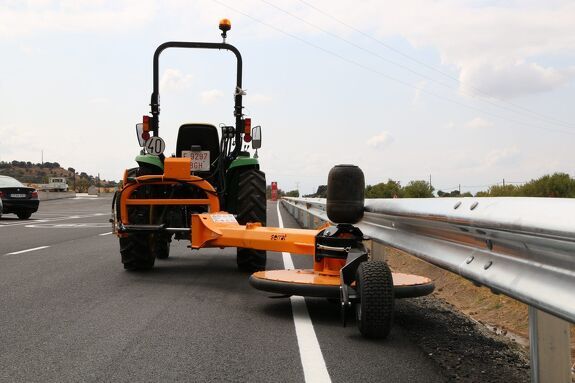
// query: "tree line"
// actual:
[[558, 185], [281, 193], [31, 173], [28, 165]]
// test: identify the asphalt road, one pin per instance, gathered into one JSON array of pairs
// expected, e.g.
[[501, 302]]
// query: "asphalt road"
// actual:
[[70, 313]]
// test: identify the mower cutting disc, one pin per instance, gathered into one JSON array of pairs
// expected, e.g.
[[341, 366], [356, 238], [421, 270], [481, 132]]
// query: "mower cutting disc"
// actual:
[[308, 283]]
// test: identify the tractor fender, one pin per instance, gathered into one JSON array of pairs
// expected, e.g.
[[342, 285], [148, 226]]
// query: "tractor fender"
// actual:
[[150, 160], [244, 162]]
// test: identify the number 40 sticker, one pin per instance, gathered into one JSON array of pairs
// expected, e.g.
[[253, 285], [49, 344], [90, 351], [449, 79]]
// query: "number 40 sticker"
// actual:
[[155, 146]]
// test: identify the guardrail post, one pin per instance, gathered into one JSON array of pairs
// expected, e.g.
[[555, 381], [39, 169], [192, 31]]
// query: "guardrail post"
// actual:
[[549, 348], [377, 251]]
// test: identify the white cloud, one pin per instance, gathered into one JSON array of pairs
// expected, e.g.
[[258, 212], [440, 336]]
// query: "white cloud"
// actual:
[[512, 80], [380, 140], [99, 100], [15, 140], [497, 47], [23, 18], [503, 156], [258, 99], [418, 89], [174, 79], [211, 96], [478, 123]]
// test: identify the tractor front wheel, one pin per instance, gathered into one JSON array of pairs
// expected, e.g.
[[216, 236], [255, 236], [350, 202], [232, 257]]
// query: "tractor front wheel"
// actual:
[[136, 251], [374, 311], [251, 207]]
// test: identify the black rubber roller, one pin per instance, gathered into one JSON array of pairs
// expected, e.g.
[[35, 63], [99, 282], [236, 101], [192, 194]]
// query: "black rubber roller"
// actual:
[[345, 188]]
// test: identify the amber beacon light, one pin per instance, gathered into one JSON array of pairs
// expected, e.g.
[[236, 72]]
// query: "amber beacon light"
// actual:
[[225, 26]]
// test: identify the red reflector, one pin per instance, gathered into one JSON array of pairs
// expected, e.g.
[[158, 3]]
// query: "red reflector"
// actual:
[[247, 138], [146, 123], [145, 135], [248, 127]]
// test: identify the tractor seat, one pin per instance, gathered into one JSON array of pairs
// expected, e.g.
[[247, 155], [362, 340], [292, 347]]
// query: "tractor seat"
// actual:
[[203, 135]]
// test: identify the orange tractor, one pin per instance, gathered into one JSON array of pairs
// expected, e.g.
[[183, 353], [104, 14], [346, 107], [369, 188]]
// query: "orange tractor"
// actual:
[[170, 197]]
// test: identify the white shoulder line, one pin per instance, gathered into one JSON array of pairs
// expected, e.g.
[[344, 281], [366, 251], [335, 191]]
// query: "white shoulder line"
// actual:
[[27, 250], [314, 368]]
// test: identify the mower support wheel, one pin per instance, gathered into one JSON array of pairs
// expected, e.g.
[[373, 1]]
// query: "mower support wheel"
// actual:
[[251, 207], [136, 251], [374, 311]]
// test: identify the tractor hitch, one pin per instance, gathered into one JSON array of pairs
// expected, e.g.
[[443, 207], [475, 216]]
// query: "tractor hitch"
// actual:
[[337, 241], [347, 276], [343, 242]]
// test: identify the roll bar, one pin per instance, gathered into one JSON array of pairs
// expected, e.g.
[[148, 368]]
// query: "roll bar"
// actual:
[[155, 99]]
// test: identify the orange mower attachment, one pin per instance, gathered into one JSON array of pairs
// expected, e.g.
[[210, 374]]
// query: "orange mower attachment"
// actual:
[[341, 267]]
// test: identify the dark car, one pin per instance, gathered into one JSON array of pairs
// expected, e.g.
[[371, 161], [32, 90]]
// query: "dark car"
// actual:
[[18, 198]]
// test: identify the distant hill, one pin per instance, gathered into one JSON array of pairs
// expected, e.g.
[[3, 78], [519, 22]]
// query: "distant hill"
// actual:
[[34, 174]]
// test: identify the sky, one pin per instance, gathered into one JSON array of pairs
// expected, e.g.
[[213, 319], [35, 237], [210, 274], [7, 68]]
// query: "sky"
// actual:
[[466, 92]]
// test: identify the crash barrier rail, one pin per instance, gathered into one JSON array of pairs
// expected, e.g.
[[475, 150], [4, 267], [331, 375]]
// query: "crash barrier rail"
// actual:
[[521, 247]]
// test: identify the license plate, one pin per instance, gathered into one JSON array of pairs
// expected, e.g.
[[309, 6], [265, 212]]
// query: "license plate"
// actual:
[[200, 160], [18, 195]]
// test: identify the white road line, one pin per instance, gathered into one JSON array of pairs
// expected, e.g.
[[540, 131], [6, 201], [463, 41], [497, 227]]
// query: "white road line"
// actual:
[[28, 222], [105, 233], [27, 250], [314, 368]]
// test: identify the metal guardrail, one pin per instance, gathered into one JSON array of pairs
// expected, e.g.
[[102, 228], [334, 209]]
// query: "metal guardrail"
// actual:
[[521, 247]]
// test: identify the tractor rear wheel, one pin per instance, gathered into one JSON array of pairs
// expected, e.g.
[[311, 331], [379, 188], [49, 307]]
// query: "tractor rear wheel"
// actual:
[[374, 311], [162, 248], [136, 251], [251, 207]]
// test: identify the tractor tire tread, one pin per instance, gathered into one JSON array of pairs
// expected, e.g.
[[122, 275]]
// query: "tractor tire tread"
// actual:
[[136, 252], [251, 207], [161, 248]]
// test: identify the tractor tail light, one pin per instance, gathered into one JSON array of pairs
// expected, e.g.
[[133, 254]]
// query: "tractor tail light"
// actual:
[[248, 126], [146, 123], [145, 128], [248, 130]]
